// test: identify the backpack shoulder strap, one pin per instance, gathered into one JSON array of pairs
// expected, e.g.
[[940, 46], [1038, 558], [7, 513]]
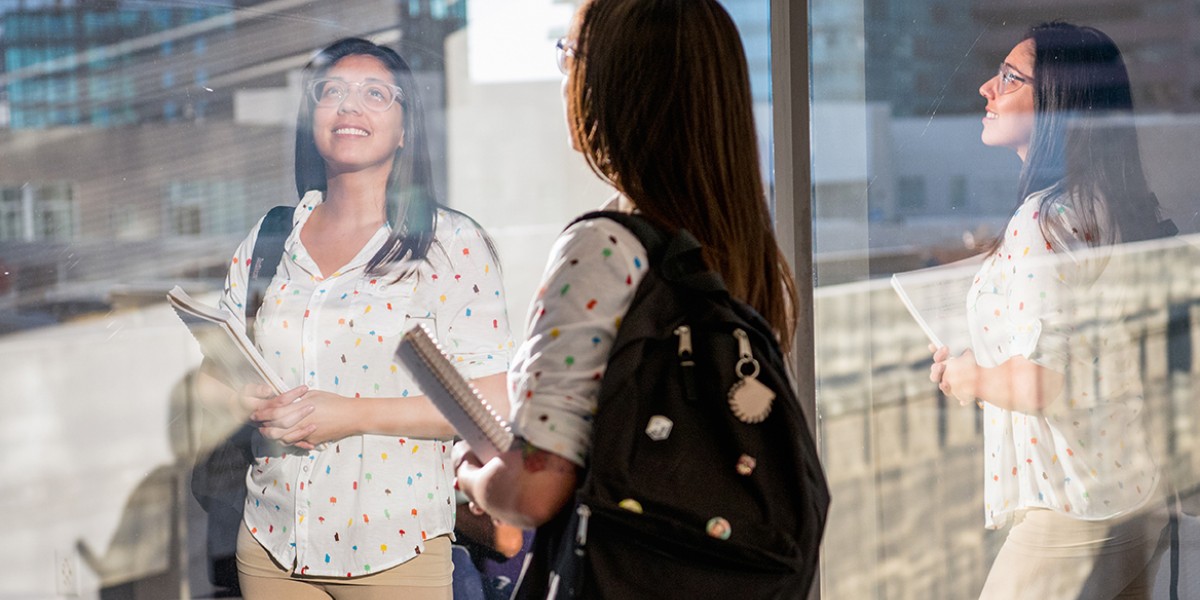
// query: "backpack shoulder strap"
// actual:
[[676, 257], [651, 237], [268, 250]]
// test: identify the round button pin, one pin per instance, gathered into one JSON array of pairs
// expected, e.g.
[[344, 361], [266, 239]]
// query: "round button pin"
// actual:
[[746, 464], [718, 528]]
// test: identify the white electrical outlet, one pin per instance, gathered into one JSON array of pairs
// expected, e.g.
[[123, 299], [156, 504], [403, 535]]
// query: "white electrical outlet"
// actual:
[[66, 573]]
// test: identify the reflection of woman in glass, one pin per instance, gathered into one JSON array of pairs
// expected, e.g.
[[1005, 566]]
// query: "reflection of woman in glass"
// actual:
[[1066, 456], [352, 484]]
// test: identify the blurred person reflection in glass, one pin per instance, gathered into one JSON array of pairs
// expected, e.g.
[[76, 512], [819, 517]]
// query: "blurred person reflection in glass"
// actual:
[[1066, 457], [352, 492]]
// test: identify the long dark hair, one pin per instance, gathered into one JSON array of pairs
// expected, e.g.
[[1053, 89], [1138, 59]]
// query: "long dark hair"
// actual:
[[411, 198], [659, 99], [1084, 145]]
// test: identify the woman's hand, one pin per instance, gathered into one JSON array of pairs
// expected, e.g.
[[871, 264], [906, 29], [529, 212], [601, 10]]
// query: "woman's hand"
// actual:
[[461, 453], [957, 377], [257, 397], [525, 486], [314, 418], [938, 368], [308, 419], [275, 416], [465, 462]]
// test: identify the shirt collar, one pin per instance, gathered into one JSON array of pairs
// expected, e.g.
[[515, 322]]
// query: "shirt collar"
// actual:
[[299, 254]]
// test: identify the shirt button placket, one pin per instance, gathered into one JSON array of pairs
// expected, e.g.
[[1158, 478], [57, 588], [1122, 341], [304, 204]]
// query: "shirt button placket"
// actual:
[[302, 489], [312, 343]]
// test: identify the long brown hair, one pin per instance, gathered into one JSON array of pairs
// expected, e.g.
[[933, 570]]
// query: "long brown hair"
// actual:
[[411, 198], [1084, 147], [659, 104]]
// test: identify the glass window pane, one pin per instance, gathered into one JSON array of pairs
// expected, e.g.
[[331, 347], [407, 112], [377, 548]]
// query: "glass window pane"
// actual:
[[142, 141], [1075, 311]]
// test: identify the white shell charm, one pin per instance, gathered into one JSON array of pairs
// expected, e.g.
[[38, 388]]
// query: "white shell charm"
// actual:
[[749, 399]]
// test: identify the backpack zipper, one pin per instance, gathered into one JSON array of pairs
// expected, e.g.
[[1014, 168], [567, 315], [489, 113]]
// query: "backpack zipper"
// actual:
[[685, 344], [744, 350], [584, 511], [686, 363]]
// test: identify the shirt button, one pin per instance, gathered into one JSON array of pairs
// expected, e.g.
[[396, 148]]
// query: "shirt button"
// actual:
[[305, 468]]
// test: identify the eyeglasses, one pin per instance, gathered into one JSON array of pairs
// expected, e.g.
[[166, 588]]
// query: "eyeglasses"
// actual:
[[565, 48], [1010, 80], [375, 95]]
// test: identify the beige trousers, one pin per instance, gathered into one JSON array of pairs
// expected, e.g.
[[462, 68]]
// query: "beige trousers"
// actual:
[[426, 577], [1050, 556]]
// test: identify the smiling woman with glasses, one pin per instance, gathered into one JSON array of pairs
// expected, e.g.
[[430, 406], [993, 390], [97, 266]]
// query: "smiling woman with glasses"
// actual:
[[1067, 460], [352, 490]]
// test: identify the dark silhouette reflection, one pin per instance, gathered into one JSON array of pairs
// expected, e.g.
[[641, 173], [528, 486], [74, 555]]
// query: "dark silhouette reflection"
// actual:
[[219, 485], [1068, 461], [146, 558], [220, 439]]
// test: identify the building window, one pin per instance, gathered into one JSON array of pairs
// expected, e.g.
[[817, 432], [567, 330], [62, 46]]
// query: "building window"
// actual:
[[12, 225], [206, 207], [958, 192], [53, 211], [912, 193], [37, 212]]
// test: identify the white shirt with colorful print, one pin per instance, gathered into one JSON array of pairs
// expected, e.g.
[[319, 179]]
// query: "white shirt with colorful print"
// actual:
[[554, 382], [365, 503], [1053, 302]]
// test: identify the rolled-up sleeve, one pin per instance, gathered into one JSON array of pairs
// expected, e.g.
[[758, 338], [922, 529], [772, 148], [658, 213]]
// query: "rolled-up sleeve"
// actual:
[[1051, 269], [472, 318], [589, 284]]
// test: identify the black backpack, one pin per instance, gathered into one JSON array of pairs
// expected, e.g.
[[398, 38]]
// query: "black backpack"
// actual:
[[683, 498], [219, 478]]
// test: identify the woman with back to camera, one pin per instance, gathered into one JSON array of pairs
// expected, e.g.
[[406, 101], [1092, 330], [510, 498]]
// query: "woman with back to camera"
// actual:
[[1066, 455], [657, 99], [352, 492]]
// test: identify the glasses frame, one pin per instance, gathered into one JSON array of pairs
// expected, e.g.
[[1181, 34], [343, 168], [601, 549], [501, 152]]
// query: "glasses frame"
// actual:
[[565, 47], [397, 92], [1009, 79]]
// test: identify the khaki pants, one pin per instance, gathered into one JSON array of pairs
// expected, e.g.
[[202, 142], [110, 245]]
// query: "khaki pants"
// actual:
[[1050, 556], [426, 577]]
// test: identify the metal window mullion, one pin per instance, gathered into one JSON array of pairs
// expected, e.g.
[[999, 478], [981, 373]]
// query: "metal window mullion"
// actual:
[[793, 174], [28, 224], [791, 107]]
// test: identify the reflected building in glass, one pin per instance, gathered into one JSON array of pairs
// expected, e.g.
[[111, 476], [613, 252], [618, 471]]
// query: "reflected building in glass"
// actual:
[[144, 139], [897, 111], [85, 64]]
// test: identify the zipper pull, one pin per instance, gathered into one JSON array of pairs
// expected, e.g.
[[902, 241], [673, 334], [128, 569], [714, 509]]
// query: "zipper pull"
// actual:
[[686, 363], [747, 357], [685, 345], [743, 343], [581, 534]]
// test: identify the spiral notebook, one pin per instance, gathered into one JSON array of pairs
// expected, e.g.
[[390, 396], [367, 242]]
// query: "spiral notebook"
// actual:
[[475, 420]]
